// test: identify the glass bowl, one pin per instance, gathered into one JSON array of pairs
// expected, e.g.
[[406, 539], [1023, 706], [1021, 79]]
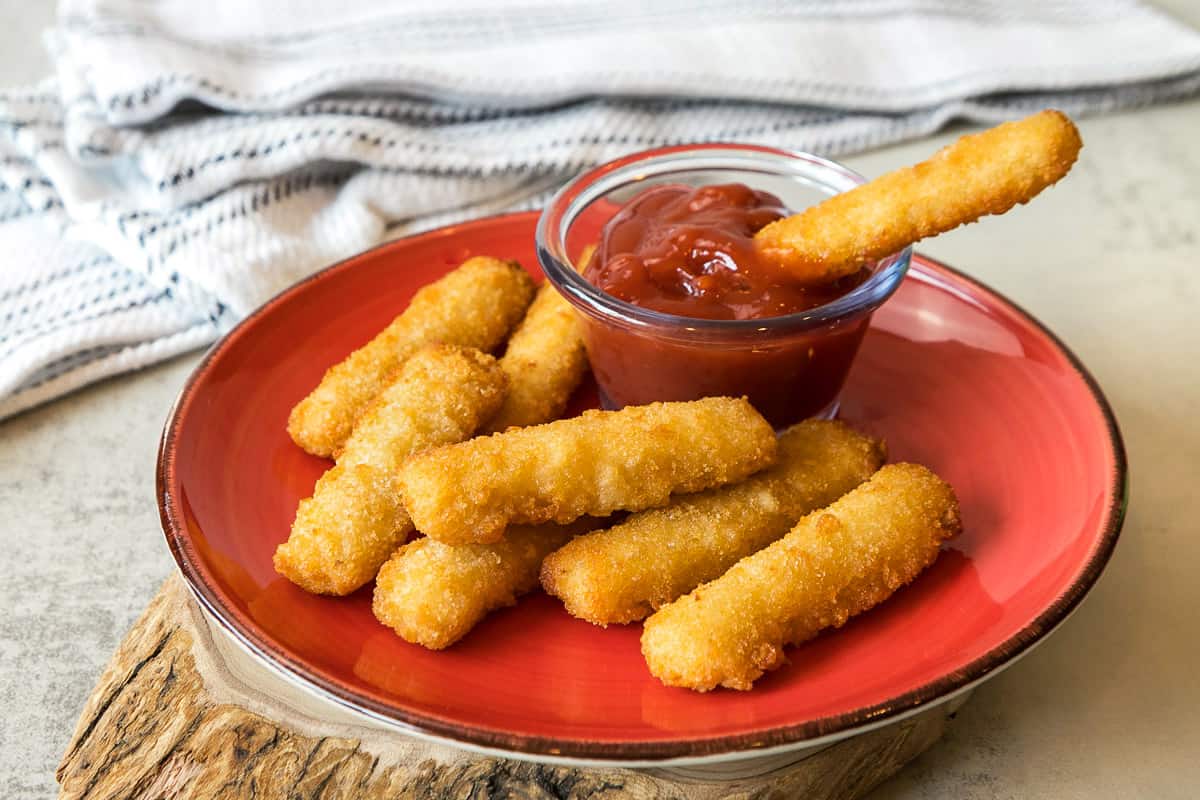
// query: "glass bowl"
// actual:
[[791, 367]]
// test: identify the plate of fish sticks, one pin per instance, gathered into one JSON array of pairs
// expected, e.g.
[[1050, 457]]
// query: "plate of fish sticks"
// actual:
[[403, 485]]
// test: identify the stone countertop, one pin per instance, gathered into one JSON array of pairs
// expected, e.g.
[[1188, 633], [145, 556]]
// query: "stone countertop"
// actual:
[[1108, 707]]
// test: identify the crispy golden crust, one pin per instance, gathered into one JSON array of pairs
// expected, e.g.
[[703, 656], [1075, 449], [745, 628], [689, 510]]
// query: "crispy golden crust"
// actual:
[[544, 362], [440, 396], [981, 174], [354, 520], [341, 534], [432, 594], [596, 463], [476, 305], [834, 564], [624, 573]]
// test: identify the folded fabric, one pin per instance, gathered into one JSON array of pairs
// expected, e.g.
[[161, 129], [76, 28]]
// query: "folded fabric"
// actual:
[[182, 167]]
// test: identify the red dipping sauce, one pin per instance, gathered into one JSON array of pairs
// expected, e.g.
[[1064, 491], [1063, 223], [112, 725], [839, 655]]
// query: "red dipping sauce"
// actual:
[[689, 251]]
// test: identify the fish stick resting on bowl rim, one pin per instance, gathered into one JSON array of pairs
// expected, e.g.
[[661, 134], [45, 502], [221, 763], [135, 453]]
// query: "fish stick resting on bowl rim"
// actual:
[[594, 464], [624, 573], [980, 174], [475, 305], [837, 562], [433, 594], [354, 519]]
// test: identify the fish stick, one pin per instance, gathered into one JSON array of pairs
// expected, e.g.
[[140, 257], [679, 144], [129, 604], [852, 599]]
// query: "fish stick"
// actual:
[[345, 530], [596, 463], [834, 564], [624, 573], [980, 174], [354, 519], [545, 362], [433, 594], [476, 305], [439, 397]]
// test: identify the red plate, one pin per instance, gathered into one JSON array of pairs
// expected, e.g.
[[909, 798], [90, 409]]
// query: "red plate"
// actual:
[[951, 374]]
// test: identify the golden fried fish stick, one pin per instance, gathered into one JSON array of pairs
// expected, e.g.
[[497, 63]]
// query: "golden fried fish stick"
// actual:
[[476, 305], [984, 173], [624, 573], [355, 520], [341, 534], [544, 362], [834, 564], [440, 396], [432, 593], [596, 463]]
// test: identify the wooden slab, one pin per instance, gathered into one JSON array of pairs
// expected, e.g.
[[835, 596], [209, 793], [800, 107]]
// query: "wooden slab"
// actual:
[[173, 717]]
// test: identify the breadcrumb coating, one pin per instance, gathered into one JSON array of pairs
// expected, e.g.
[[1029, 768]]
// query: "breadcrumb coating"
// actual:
[[341, 534], [432, 593], [354, 519], [624, 573], [544, 361], [596, 463], [834, 564], [476, 305], [980, 174]]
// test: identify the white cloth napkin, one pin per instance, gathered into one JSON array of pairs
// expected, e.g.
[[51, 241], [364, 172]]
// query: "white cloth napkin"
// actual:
[[188, 161]]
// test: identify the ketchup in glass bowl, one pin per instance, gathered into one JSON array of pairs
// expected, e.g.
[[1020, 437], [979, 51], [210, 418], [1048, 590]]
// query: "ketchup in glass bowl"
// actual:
[[674, 303]]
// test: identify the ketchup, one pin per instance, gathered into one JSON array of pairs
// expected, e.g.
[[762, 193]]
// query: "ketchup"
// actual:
[[690, 252]]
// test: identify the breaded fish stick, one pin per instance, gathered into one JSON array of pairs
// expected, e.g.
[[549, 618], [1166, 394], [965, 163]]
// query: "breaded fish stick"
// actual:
[[354, 520], [984, 173], [834, 564], [596, 463], [544, 362], [343, 532], [624, 573], [432, 594], [476, 305]]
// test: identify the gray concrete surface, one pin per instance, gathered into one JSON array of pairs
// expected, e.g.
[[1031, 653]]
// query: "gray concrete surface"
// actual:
[[1109, 707]]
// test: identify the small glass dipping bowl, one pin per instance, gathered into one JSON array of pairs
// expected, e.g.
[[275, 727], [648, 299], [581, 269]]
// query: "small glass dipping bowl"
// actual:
[[791, 367]]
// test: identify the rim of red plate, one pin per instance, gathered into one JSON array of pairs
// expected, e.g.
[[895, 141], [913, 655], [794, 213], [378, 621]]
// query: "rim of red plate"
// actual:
[[175, 528]]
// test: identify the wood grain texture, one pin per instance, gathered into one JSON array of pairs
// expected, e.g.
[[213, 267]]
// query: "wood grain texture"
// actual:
[[152, 729]]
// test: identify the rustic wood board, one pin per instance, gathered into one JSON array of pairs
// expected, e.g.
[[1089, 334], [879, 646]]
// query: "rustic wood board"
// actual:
[[170, 718]]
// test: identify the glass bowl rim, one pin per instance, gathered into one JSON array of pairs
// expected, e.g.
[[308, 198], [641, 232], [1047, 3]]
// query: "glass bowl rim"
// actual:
[[551, 253]]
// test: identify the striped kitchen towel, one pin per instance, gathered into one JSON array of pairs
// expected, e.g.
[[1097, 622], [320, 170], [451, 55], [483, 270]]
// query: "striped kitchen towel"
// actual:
[[187, 162]]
